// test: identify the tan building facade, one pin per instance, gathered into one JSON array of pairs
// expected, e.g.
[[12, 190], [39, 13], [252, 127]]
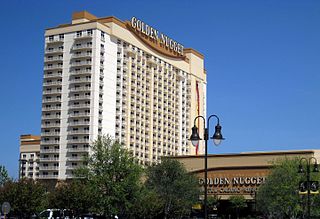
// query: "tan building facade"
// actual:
[[238, 174], [29, 156], [122, 78]]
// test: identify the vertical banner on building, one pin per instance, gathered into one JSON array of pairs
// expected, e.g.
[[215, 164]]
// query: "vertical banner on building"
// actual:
[[198, 111]]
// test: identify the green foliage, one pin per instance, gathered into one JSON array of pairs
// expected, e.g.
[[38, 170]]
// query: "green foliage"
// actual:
[[74, 195], [4, 176], [238, 202], [113, 177], [25, 196], [177, 190], [212, 202], [278, 197], [147, 205]]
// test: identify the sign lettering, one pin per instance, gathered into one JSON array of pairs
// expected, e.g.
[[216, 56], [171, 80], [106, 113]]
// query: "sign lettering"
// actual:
[[156, 36]]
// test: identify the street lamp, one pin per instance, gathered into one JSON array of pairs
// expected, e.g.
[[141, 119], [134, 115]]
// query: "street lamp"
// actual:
[[217, 137], [308, 185]]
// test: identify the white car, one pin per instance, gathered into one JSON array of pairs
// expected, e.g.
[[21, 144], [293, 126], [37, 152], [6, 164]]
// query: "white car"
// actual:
[[54, 214]]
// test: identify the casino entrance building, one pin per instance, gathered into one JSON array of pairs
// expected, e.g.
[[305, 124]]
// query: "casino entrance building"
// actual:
[[238, 174]]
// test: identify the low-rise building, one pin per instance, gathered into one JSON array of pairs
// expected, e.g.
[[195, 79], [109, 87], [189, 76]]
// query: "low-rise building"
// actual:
[[29, 156]]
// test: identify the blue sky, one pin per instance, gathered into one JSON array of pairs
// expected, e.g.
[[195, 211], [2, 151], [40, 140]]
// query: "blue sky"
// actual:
[[262, 60]]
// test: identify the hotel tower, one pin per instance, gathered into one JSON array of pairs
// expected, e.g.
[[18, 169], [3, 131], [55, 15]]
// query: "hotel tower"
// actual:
[[122, 78]]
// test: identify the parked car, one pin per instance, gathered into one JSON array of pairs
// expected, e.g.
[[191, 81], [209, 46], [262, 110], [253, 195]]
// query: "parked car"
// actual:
[[55, 214]]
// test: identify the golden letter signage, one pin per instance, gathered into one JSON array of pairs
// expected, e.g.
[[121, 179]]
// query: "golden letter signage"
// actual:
[[156, 36], [222, 185]]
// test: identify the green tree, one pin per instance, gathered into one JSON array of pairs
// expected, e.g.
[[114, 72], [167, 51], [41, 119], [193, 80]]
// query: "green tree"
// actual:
[[113, 177], [4, 176], [177, 190], [148, 205], [213, 203], [238, 202], [25, 196], [278, 197], [75, 196]]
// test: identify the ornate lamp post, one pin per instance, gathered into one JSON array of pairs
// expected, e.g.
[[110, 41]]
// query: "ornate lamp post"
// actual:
[[217, 137], [308, 185]]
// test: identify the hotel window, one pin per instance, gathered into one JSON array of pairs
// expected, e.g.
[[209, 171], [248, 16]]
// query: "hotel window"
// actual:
[[51, 38], [79, 33], [61, 36], [89, 32]]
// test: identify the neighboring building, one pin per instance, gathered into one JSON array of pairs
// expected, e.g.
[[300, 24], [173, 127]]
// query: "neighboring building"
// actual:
[[29, 156], [125, 79]]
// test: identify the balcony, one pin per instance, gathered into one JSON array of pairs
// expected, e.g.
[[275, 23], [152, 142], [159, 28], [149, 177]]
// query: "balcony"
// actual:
[[81, 72], [79, 47], [53, 67], [51, 100], [82, 55], [49, 142], [48, 168], [54, 40], [79, 123], [79, 115], [82, 63], [54, 50], [79, 106], [53, 75], [49, 159], [130, 51], [52, 108], [53, 59], [79, 149], [75, 158], [83, 36], [81, 80], [50, 117], [76, 89], [81, 97], [50, 134], [49, 151], [49, 176], [79, 132], [72, 168], [54, 83], [54, 125], [152, 62], [54, 91], [75, 141]]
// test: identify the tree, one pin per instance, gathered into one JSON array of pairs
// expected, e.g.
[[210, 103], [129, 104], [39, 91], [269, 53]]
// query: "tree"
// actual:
[[147, 205], [4, 177], [75, 196], [238, 202], [213, 203], [25, 196], [177, 190], [113, 177], [278, 197]]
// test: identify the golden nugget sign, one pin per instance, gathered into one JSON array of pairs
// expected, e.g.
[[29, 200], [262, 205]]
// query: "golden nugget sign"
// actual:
[[155, 35], [233, 185]]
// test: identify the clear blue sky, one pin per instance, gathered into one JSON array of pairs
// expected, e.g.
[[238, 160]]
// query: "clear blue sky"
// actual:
[[262, 60]]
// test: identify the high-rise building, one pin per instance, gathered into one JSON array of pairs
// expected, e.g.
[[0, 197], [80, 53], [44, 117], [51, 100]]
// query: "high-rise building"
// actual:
[[122, 78], [29, 156]]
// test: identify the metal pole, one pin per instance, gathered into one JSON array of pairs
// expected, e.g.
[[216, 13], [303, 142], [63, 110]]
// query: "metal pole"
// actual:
[[206, 137], [308, 183]]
